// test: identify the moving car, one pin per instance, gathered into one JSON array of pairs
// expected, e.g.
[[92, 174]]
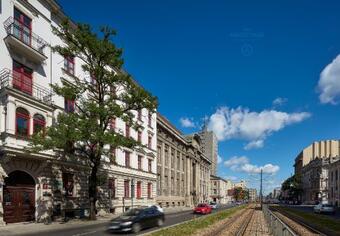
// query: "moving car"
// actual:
[[213, 205], [202, 209], [324, 208], [136, 219]]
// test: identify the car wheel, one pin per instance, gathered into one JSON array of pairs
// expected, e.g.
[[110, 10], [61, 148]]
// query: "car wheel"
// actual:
[[160, 222], [136, 227]]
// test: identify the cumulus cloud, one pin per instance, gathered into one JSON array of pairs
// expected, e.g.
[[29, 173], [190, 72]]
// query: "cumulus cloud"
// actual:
[[254, 144], [254, 127], [329, 82], [279, 101], [242, 164], [187, 122]]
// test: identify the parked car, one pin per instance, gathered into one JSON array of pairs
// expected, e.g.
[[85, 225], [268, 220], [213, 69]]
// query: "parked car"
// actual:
[[136, 219], [213, 205], [324, 208], [202, 209]]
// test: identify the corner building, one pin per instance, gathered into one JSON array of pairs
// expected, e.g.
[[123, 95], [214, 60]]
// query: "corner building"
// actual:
[[35, 187]]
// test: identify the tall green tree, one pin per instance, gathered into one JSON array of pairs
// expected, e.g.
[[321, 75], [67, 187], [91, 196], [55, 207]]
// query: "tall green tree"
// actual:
[[293, 186], [106, 93]]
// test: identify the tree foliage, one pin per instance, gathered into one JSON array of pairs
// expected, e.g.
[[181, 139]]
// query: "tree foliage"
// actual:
[[293, 187], [103, 94]]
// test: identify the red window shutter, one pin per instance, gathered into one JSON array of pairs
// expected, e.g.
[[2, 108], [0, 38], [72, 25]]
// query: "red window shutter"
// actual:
[[126, 188], [139, 189]]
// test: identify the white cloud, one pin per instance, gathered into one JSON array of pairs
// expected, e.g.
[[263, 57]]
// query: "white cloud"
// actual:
[[255, 127], [232, 178], [234, 162], [329, 83], [242, 164], [219, 159], [187, 122], [279, 101], [254, 144]]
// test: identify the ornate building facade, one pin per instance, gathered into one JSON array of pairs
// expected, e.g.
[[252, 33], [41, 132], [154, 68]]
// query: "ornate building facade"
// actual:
[[36, 186], [183, 171]]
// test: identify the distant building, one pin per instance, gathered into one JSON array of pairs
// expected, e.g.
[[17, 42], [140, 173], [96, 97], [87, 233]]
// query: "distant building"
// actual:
[[183, 171], [334, 182], [210, 147], [219, 189], [276, 193], [241, 184], [252, 194], [314, 178], [321, 149]]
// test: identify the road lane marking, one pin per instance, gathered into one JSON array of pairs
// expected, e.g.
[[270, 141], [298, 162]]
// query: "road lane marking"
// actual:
[[86, 233]]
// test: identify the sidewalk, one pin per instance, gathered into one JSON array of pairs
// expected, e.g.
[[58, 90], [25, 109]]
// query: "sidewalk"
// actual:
[[36, 228]]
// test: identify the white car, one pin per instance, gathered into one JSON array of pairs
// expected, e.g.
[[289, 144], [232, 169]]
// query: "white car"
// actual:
[[324, 208], [213, 205]]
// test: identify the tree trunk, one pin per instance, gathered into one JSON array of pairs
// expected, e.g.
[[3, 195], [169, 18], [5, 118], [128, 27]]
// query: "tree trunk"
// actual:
[[93, 192]]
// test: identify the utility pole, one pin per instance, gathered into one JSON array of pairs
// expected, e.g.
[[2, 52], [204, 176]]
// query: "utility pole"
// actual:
[[261, 189]]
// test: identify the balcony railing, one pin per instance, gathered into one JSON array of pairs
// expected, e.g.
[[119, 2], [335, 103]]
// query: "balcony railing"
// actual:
[[24, 83], [24, 34]]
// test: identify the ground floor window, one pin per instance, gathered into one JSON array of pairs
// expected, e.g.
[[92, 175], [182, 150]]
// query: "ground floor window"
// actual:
[[68, 184], [126, 188], [149, 190]]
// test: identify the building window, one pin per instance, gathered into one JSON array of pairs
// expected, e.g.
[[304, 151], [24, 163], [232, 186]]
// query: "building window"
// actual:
[[112, 187], [139, 114], [139, 189], [69, 105], [126, 188], [68, 183], [22, 122], [22, 78], [139, 138], [150, 165], [69, 65], [127, 130], [150, 142], [93, 80], [127, 159], [113, 155], [149, 190], [113, 123], [140, 158], [150, 118], [38, 123], [22, 28]]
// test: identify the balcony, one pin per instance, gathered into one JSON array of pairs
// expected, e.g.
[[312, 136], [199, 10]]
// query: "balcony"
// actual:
[[21, 39], [24, 84]]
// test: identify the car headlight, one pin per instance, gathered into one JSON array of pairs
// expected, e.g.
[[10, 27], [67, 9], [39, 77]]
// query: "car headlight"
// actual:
[[126, 223]]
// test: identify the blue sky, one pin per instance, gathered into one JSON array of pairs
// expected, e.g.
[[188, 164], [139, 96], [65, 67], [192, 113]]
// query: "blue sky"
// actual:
[[227, 61]]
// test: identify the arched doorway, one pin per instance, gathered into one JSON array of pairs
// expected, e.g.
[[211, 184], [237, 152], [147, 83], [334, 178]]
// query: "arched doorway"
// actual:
[[19, 197]]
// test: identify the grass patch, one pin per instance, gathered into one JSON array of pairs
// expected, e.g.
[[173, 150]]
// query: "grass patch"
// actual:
[[191, 227], [321, 221]]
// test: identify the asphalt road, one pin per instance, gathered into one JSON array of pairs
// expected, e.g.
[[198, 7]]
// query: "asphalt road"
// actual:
[[100, 229], [305, 208]]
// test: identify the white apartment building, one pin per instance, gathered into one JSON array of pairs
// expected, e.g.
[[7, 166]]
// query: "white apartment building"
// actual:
[[36, 186]]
